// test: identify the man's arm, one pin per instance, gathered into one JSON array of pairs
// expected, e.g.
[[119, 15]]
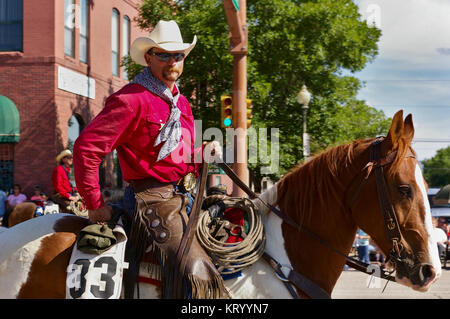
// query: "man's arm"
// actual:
[[111, 127]]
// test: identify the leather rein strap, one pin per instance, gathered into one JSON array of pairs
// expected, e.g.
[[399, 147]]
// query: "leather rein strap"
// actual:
[[191, 226]]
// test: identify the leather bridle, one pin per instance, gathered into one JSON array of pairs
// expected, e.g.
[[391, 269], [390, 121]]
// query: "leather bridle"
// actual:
[[398, 255]]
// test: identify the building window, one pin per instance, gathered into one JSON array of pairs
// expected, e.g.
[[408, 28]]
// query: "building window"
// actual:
[[115, 42], [218, 180], [84, 27], [11, 17], [125, 42], [6, 166], [69, 28]]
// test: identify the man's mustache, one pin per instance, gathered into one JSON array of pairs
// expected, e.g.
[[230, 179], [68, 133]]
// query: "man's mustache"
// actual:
[[173, 69]]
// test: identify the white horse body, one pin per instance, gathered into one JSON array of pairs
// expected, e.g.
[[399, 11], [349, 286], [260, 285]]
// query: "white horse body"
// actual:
[[18, 247]]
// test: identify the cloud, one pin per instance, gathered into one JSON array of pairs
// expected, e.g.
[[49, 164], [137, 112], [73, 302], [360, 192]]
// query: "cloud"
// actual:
[[444, 51], [412, 30]]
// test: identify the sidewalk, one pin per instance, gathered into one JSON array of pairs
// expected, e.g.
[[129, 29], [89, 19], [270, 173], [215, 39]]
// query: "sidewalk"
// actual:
[[353, 285]]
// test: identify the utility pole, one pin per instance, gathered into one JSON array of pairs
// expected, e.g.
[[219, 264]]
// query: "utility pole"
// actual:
[[236, 13]]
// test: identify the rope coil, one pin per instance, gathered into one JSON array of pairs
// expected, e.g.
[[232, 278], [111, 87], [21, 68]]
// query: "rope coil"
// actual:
[[230, 258]]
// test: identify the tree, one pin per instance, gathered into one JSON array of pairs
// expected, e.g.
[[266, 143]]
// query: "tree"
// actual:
[[291, 42], [436, 170]]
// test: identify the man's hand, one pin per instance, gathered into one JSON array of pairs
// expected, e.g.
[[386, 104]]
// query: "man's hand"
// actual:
[[213, 152], [103, 214], [74, 198]]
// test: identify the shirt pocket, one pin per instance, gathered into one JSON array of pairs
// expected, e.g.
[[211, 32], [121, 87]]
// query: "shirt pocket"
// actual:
[[153, 125]]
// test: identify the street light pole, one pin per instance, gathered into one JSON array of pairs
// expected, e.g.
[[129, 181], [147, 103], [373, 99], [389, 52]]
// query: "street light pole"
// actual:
[[303, 98]]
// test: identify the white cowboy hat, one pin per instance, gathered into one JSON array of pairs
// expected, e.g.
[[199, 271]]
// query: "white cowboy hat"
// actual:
[[62, 155], [166, 35]]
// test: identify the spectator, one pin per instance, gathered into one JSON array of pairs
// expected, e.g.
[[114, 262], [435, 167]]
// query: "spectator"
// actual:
[[14, 199], [363, 246], [37, 198], [440, 236], [3, 200], [442, 223]]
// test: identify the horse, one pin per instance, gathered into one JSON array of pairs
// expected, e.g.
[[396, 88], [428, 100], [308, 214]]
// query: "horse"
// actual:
[[332, 195], [21, 212]]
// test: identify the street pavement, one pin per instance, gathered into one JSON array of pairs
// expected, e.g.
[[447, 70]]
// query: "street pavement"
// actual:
[[354, 285]]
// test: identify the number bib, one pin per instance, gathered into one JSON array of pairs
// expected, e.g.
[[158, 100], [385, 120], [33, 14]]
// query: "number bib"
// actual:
[[92, 276]]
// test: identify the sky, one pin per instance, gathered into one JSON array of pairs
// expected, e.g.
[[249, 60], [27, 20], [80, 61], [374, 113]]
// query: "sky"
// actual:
[[412, 69]]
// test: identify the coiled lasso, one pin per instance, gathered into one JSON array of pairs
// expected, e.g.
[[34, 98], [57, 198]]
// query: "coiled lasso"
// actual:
[[230, 258]]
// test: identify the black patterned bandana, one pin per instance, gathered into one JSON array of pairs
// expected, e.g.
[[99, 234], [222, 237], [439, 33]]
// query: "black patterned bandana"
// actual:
[[171, 131]]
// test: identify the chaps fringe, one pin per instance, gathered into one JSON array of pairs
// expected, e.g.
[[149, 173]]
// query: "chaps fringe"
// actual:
[[192, 287]]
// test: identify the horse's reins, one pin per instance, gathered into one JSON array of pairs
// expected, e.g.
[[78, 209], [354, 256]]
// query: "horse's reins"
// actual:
[[189, 232]]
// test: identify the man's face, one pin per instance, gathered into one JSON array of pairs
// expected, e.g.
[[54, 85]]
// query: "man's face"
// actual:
[[166, 71], [68, 160]]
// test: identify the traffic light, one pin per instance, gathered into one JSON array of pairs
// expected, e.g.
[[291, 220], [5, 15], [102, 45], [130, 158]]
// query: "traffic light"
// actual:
[[226, 111], [249, 112]]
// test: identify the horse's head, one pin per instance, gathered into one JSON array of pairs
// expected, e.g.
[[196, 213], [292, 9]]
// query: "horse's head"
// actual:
[[400, 221]]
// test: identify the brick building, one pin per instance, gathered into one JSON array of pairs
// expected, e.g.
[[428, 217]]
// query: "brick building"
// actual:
[[59, 61]]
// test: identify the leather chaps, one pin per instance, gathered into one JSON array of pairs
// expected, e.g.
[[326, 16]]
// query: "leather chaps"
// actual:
[[159, 223]]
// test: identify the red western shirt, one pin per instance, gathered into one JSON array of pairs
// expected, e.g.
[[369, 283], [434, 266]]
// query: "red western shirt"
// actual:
[[130, 122], [60, 181]]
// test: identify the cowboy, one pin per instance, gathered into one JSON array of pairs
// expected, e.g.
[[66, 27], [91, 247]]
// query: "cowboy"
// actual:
[[147, 122], [150, 125], [65, 192]]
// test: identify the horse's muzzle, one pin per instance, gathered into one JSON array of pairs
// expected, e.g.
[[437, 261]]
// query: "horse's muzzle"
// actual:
[[427, 274], [421, 277]]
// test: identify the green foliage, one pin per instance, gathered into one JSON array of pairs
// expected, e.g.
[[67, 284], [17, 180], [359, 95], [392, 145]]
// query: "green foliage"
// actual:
[[436, 170], [291, 43]]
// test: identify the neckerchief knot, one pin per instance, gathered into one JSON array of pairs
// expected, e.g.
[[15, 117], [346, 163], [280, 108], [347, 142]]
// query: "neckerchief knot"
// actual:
[[171, 131]]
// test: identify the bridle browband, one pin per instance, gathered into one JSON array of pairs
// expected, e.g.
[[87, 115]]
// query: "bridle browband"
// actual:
[[397, 254]]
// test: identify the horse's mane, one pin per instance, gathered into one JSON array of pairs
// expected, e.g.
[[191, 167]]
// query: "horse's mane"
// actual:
[[316, 184]]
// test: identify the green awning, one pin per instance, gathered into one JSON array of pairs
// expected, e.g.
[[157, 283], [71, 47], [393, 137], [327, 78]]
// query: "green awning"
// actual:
[[9, 121]]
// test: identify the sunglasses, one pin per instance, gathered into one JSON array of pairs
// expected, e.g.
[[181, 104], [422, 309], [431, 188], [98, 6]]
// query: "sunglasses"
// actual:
[[165, 57]]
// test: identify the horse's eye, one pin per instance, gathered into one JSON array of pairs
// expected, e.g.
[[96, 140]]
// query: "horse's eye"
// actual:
[[405, 190]]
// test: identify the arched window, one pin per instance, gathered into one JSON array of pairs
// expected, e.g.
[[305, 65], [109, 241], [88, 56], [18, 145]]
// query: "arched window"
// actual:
[[115, 42], [125, 42]]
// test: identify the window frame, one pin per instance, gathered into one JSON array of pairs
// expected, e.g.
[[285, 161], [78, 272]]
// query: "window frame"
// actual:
[[68, 28], [115, 55], [17, 46], [85, 15]]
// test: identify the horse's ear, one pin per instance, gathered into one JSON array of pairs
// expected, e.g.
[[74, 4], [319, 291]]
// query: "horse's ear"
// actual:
[[395, 132], [408, 130]]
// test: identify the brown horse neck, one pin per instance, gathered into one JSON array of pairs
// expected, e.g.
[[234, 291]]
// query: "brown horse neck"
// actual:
[[318, 190]]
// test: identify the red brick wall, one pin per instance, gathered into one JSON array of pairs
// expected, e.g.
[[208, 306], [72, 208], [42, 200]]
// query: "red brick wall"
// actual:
[[29, 79]]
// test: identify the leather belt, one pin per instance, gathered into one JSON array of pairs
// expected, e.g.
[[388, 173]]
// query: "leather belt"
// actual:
[[141, 185], [186, 184]]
